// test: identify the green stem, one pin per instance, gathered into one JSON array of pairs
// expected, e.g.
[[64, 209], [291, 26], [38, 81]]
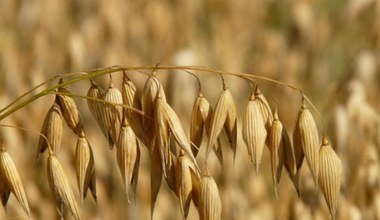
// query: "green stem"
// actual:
[[13, 106]]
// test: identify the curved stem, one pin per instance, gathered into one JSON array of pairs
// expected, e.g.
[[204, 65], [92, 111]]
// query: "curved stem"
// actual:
[[197, 78], [51, 88], [13, 107], [223, 82]]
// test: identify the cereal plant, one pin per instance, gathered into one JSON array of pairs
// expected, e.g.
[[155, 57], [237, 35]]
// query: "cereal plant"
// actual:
[[141, 128]]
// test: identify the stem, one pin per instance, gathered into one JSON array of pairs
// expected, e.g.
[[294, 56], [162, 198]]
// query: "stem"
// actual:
[[223, 82], [13, 107], [198, 80], [51, 88]]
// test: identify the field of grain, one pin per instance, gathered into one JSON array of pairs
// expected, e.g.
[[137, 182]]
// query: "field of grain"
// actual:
[[328, 49]]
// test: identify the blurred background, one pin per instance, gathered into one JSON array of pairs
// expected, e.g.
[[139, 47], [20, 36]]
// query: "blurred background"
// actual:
[[329, 49]]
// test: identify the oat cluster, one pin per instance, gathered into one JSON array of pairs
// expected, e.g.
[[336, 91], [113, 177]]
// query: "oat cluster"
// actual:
[[131, 121]]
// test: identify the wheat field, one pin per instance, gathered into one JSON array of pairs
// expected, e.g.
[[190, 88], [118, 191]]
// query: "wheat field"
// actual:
[[217, 109]]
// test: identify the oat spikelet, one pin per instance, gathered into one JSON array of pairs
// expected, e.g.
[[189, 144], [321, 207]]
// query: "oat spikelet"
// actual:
[[330, 176], [60, 187], [210, 204], [175, 127], [11, 181], [266, 111], [85, 168], [96, 107], [276, 143], [127, 153], [162, 133], [52, 128], [69, 110], [254, 133], [112, 113], [310, 140], [200, 117], [183, 183], [223, 116], [200, 121], [151, 90], [131, 99]]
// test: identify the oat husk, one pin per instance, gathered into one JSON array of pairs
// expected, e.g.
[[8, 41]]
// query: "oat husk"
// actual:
[[151, 90], [96, 107], [60, 187], [85, 168], [183, 183], [308, 134], [70, 110], [254, 132], [52, 129], [128, 154], [11, 181], [210, 204], [298, 153], [276, 147], [224, 116], [201, 121], [112, 113], [131, 99], [200, 117], [166, 115], [266, 111], [330, 175]]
